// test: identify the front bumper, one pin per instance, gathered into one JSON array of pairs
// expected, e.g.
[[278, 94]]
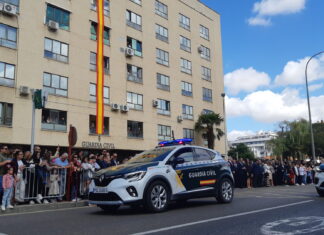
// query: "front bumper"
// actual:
[[115, 193], [319, 181]]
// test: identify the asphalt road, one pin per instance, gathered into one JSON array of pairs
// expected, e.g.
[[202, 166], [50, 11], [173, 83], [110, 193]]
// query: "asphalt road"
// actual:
[[278, 210]]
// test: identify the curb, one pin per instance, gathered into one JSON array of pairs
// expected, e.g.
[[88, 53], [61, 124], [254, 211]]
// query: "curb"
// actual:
[[44, 207]]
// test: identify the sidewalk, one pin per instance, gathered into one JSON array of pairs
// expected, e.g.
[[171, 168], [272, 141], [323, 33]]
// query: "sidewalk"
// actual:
[[44, 207]]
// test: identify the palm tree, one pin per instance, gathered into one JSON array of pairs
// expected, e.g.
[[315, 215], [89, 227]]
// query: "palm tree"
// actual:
[[206, 122]]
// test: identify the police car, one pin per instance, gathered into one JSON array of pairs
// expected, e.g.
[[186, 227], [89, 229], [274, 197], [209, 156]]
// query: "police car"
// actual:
[[319, 180], [173, 171]]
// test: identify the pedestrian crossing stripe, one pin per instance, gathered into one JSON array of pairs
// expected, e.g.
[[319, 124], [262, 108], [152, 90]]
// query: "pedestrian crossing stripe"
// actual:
[[207, 182]]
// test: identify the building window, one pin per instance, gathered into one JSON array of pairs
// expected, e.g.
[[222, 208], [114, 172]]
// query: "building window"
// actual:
[[134, 101], [106, 6], [139, 2], [185, 66], [162, 57], [58, 15], [207, 111], [185, 44], [93, 125], [6, 111], [161, 33], [135, 45], [207, 95], [134, 73], [186, 88], [161, 9], [163, 107], [205, 53], [54, 120], [56, 50], [134, 20], [184, 22], [134, 129], [164, 132], [55, 84], [7, 74], [188, 133], [93, 30], [93, 62], [8, 36], [206, 73], [204, 32], [163, 82], [187, 112], [93, 93]]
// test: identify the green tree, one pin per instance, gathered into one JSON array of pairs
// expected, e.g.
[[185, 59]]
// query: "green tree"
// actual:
[[241, 151], [206, 123]]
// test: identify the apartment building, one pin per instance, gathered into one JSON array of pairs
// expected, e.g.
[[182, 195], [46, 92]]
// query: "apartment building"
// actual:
[[163, 68]]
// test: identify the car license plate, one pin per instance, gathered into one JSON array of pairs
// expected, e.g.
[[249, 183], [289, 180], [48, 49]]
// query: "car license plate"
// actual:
[[100, 190]]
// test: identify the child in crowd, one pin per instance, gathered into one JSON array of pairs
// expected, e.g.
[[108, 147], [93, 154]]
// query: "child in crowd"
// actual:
[[8, 183], [54, 189]]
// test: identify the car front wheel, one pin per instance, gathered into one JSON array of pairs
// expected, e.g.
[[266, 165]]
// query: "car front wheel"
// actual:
[[157, 197], [225, 191]]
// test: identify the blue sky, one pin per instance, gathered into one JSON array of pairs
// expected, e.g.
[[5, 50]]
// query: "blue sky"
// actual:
[[266, 44]]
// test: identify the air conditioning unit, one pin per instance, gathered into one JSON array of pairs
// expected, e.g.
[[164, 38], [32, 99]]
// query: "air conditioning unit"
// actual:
[[53, 25], [180, 118], [124, 108], [23, 90], [200, 50], [129, 52], [155, 103], [114, 107], [9, 9]]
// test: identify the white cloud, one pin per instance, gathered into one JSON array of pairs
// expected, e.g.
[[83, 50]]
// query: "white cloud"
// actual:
[[269, 107], [259, 21], [294, 71], [315, 87], [266, 8], [233, 135], [247, 80], [278, 7]]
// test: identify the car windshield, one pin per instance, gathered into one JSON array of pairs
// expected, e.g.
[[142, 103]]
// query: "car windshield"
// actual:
[[152, 155]]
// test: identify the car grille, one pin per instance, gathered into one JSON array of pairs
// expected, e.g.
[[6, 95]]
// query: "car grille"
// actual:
[[104, 182], [316, 180], [104, 197]]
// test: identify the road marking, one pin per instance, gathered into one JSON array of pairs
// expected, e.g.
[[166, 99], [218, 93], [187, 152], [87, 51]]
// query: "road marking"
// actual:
[[220, 218], [298, 225], [35, 212]]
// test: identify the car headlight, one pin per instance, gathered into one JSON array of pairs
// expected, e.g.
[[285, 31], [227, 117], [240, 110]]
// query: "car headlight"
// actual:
[[135, 176]]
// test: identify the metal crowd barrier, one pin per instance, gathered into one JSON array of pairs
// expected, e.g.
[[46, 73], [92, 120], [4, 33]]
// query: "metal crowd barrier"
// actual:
[[35, 181], [85, 180]]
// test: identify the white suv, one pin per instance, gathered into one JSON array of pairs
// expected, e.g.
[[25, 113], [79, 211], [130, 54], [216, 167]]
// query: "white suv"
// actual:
[[319, 180]]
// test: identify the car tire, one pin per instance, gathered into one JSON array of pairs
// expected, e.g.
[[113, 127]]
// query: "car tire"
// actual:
[[225, 191], [157, 197], [320, 192], [107, 208]]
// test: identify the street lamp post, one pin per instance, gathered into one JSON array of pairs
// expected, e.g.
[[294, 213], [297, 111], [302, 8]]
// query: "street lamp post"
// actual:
[[225, 128], [309, 110]]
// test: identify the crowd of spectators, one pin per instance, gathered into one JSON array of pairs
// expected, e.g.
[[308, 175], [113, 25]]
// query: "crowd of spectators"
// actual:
[[266, 173], [41, 176]]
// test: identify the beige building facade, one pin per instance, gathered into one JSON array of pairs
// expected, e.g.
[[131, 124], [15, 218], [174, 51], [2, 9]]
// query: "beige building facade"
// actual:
[[163, 69]]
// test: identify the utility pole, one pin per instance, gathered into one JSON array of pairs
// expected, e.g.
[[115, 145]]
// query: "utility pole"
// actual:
[[309, 109]]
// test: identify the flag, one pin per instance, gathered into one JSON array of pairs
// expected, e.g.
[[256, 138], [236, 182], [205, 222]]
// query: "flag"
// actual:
[[100, 67]]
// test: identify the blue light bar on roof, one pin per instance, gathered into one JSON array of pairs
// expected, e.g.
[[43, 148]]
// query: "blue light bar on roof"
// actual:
[[175, 142]]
